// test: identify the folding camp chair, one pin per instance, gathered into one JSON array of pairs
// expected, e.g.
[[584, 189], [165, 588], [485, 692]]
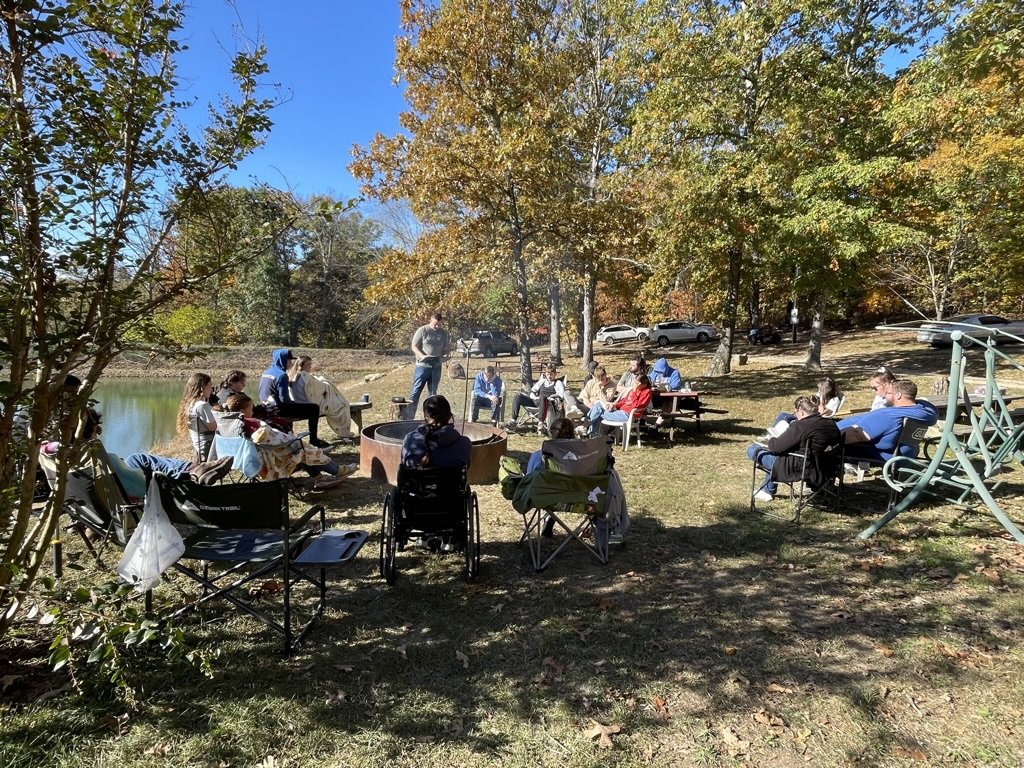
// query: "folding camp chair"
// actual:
[[100, 508], [433, 503], [245, 528], [826, 493], [570, 493]]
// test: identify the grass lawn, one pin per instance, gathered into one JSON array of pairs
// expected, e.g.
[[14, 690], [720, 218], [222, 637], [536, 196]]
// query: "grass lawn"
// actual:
[[713, 638]]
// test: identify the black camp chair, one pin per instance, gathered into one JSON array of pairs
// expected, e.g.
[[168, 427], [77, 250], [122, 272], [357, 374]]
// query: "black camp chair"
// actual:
[[432, 503], [825, 492], [245, 529]]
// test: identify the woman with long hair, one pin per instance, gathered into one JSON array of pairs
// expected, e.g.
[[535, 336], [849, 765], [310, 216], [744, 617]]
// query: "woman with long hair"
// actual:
[[436, 442], [195, 415], [306, 387], [829, 397], [881, 382]]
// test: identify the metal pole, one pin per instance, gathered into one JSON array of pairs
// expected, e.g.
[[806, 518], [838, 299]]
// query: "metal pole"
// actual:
[[465, 397]]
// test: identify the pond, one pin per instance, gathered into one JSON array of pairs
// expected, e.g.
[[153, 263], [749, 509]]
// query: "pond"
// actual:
[[137, 413]]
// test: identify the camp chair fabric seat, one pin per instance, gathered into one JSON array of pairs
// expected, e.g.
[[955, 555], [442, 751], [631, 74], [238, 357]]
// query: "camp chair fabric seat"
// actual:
[[571, 494], [247, 528]]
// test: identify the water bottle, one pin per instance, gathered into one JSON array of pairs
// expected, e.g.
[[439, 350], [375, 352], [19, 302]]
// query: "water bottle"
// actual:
[[686, 387]]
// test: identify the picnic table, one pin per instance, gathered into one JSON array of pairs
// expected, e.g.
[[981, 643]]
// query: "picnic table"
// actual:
[[356, 409], [684, 404]]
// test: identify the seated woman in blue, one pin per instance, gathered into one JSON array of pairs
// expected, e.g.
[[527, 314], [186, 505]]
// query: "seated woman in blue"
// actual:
[[436, 442]]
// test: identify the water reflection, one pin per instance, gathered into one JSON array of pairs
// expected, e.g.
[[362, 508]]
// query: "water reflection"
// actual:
[[137, 413]]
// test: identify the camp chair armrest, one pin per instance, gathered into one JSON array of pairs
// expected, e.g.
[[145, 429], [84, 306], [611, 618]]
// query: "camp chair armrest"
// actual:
[[303, 521]]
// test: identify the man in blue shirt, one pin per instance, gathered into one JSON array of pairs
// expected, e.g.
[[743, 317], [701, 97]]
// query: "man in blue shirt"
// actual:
[[488, 392], [875, 435]]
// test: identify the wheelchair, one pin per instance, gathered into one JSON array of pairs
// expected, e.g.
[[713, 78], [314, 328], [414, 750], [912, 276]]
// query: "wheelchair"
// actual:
[[432, 503]]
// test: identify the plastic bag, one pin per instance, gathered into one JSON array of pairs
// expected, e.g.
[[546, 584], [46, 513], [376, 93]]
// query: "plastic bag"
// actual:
[[154, 547]]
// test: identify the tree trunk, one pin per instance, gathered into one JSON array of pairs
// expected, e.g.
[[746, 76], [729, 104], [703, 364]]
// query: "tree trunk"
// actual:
[[721, 363], [523, 312], [813, 361], [555, 321], [587, 321]]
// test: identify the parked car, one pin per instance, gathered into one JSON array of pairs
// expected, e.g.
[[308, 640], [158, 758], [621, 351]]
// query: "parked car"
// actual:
[[488, 344], [610, 334], [937, 333], [675, 331]]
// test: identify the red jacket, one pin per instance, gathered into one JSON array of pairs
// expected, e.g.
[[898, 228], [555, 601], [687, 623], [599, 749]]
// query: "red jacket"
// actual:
[[635, 399]]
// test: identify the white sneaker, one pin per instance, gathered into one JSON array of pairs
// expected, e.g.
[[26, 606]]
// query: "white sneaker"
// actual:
[[763, 495]]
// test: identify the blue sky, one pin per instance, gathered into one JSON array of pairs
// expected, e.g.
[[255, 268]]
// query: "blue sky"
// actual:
[[336, 60]]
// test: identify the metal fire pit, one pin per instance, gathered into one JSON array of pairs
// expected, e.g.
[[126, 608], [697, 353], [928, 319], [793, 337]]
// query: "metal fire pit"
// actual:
[[380, 449]]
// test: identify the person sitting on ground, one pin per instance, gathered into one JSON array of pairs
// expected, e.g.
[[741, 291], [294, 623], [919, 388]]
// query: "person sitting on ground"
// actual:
[[881, 382], [436, 442], [636, 399], [274, 395], [488, 391], [283, 453], [810, 432], [874, 435], [626, 381], [195, 414], [547, 387], [306, 387]]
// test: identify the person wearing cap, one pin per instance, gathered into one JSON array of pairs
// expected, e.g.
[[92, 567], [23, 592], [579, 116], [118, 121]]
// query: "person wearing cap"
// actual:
[[429, 346], [274, 395]]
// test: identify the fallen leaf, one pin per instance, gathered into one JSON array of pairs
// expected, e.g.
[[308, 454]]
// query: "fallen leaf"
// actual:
[[605, 604], [552, 667], [776, 688], [661, 708], [885, 650], [730, 650], [463, 658], [343, 668], [734, 744], [603, 732], [739, 679], [160, 748], [912, 754]]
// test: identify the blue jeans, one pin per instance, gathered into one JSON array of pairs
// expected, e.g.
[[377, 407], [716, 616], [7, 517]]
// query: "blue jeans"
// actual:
[[765, 459], [331, 469], [485, 402], [149, 464], [428, 376], [596, 413]]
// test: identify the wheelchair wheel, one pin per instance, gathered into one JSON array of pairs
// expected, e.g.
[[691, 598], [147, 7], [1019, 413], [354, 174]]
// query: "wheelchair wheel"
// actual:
[[472, 538], [387, 540]]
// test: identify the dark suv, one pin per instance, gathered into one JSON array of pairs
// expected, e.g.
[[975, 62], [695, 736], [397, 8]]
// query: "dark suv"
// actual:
[[489, 344]]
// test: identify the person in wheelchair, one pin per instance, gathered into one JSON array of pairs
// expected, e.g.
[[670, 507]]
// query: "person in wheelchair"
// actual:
[[436, 443]]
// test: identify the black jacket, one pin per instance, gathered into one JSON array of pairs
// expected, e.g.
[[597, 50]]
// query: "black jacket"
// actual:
[[811, 435]]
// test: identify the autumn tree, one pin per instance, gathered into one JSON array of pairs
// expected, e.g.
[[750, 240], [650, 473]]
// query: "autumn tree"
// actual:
[[478, 162], [94, 173]]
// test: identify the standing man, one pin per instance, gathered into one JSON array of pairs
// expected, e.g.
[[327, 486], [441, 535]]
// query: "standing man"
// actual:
[[487, 393], [429, 345]]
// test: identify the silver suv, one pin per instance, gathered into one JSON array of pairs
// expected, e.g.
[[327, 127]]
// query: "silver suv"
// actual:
[[489, 344]]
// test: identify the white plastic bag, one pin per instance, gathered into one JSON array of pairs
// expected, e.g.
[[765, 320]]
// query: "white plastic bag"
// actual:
[[154, 547]]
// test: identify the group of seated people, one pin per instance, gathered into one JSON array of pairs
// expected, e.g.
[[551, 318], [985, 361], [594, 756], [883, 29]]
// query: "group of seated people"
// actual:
[[602, 399], [872, 436], [288, 391]]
